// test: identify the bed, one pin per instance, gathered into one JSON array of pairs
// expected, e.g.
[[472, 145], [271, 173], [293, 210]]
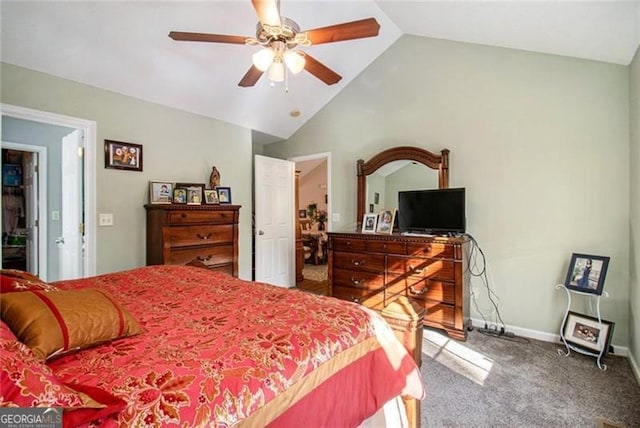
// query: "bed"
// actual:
[[195, 347]]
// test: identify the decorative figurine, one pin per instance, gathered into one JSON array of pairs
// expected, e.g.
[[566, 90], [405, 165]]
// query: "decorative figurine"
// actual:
[[214, 178]]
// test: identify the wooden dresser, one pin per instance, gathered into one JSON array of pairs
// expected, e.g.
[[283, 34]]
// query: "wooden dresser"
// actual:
[[180, 234], [375, 270]]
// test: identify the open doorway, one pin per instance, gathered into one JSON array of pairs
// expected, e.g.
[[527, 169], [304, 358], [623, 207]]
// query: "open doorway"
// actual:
[[313, 214], [67, 141]]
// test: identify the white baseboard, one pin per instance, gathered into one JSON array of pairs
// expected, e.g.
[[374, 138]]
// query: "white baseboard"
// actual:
[[634, 366], [622, 351]]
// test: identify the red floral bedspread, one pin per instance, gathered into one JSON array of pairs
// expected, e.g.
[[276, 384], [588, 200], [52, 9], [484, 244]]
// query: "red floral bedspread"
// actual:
[[219, 351]]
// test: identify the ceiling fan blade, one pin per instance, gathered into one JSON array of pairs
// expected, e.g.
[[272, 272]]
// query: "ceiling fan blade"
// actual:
[[203, 37], [268, 11], [320, 70], [251, 78], [368, 27]]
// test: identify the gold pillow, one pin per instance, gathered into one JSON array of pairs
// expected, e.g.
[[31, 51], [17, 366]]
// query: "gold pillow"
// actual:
[[57, 322]]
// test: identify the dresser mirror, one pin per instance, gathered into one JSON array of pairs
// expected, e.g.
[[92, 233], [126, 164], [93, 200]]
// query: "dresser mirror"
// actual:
[[399, 168]]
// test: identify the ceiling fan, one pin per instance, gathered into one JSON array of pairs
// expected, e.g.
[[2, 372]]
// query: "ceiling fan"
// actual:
[[279, 35]]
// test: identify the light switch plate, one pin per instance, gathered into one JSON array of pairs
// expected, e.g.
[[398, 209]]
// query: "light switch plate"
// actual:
[[335, 217]]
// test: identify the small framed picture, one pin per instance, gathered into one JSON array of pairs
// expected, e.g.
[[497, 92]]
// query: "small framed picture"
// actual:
[[371, 208], [187, 185], [224, 194], [211, 196], [369, 223], [587, 333], [376, 198], [179, 195], [119, 155], [586, 273], [160, 192], [11, 175], [194, 195], [385, 221], [302, 213]]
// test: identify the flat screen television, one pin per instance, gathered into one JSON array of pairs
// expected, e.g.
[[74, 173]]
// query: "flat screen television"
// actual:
[[432, 211]]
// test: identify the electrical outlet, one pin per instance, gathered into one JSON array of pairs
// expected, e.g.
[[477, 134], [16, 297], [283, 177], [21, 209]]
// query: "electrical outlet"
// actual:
[[106, 219]]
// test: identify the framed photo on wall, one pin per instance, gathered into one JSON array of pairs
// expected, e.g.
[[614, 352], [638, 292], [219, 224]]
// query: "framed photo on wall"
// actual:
[[119, 155], [160, 192], [587, 333], [369, 223], [586, 273]]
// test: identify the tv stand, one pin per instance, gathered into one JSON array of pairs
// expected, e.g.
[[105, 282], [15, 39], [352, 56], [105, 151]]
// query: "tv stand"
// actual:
[[375, 270]]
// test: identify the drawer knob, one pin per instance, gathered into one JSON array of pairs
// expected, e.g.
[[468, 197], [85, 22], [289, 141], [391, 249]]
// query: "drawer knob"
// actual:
[[357, 281], [416, 270], [204, 259], [355, 299], [417, 292], [183, 215], [357, 262], [204, 237]]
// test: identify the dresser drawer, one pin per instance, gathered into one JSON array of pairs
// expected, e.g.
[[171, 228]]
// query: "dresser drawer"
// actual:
[[425, 268], [345, 244], [433, 249], [210, 256], [368, 298], [182, 236], [388, 247], [359, 261], [193, 217], [439, 291], [358, 279], [439, 313]]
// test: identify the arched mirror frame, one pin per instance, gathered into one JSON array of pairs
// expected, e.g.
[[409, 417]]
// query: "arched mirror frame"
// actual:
[[425, 157]]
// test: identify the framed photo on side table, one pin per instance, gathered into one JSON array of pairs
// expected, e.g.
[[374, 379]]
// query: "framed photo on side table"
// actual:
[[586, 273], [385, 221], [369, 223], [118, 155], [160, 192], [587, 333], [224, 194]]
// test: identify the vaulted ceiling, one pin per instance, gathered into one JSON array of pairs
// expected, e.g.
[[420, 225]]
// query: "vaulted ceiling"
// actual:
[[123, 46]]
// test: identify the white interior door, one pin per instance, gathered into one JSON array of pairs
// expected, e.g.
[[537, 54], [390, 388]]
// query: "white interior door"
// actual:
[[31, 207], [274, 222], [70, 244]]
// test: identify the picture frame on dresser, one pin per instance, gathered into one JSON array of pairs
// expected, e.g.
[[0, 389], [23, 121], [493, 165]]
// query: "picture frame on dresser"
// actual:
[[588, 333], [369, 223], [224, 194], [160, 192], [211, 196], [385, 221], [194, 195], [121, 155], [179, 195], [586, 273]]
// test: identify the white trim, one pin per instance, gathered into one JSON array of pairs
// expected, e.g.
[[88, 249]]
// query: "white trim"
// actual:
[[316, 156], [43, 219], [622, 351], [634, 366], [89, 129]]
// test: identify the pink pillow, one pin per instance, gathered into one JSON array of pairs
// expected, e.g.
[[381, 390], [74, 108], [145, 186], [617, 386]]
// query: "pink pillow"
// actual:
[[26, 381]]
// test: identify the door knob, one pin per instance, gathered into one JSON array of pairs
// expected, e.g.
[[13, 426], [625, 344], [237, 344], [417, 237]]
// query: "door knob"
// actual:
[[60, 240], [260, 232]]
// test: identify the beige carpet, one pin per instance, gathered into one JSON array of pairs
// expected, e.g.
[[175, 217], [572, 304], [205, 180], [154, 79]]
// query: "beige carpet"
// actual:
[[315, 273]]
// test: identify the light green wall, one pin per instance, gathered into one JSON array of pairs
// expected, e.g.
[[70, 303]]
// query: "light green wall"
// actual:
[[413, 176], [178, 146], [634, 300], [49, 136], [540, 142]]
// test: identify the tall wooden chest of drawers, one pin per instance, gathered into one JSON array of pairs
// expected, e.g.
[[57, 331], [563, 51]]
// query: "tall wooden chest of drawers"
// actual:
[[374, 270], [180, 234]]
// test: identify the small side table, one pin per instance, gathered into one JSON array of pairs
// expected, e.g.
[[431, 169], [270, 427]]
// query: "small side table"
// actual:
[[569, 347]]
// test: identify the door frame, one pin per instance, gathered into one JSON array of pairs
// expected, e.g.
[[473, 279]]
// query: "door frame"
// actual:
[[88, 128], [42, 200], [316, 156]]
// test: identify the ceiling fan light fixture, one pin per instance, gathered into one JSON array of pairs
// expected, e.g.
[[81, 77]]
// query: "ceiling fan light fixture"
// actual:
[[276, 72], [263, 59], [295, 61]]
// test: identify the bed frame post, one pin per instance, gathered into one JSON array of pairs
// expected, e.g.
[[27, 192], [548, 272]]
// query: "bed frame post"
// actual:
[[406, 319]]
